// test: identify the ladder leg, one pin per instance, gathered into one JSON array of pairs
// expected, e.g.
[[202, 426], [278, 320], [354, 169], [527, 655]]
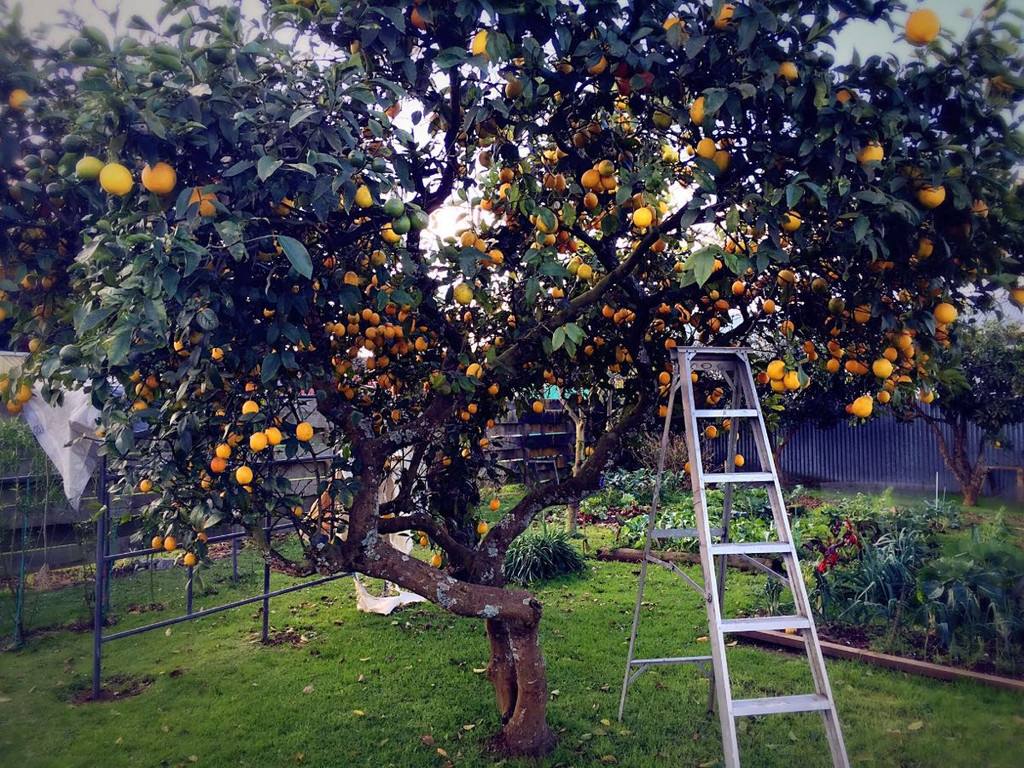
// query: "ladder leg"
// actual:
[[723, 693], [815, 658], [652, 516]]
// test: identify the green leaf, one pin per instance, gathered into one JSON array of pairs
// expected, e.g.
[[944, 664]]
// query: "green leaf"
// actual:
[[300, 114], [266, 166], [702, 263], [297, 255], [119, 344], [558, 338], [270, 366]]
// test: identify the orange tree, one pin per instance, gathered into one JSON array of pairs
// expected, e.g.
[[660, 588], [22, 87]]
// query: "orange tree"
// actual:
[[216, 225]]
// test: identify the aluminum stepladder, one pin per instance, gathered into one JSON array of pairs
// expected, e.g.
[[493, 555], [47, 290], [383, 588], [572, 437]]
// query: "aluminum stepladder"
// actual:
[[733, 365]]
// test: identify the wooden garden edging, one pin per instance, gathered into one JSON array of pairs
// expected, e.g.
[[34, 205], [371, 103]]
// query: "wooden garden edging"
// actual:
[[829, 648], [899, 663]]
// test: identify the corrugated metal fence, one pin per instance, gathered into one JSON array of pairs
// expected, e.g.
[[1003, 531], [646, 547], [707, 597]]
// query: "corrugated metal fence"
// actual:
[[887, 452]]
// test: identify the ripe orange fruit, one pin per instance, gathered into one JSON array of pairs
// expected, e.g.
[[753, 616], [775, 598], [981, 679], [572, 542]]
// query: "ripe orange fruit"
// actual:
[[205, 200], [862, 406], [304, 431], [17, 98], [243, 475], [159, 179], [463, 293], [882, 368], [157, 542], [145, 485], [189, 560], [724, 17], [170, 544], [478, 45], [116, 180], [257, 442], [482, 528], [922, 27], [945, 313], [495, 504], [697, 110], [273, 435], [216, 354], [711, 432], [791, 221], [643, 217], [788, 71], [250, 407], [538, 406], [739, 461], [436, 560], [223, 451], [706, 148], [871, 153], [931, 197]]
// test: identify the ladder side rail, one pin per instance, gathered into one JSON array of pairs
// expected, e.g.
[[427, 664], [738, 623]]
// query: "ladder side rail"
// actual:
[[730, 466], [812, 645], [651, 522], [723, 692]]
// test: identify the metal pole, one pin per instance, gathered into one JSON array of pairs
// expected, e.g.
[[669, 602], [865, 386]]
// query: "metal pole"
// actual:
[[266, 585], [19, 605], [97, 618], [234, 560], [188, 591]]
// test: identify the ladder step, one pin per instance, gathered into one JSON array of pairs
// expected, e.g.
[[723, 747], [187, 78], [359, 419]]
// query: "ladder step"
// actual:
[[681, 533], [764, 623], [739, 477], [778, 705], [725, 413], [752, 548], [671, 660]]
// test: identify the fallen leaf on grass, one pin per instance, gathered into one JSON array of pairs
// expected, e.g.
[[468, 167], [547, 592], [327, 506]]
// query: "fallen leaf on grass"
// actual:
[[917, 725], [308, 689], [358, 713], [427, 740]]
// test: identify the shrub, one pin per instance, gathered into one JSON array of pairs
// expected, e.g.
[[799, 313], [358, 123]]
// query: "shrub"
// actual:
[[541, 556]]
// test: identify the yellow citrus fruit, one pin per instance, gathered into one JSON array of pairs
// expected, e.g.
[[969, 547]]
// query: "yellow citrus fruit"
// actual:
[[884, 396], [599, 67], [145, 485], [482, 528], [791, 221], [931, 197], [216, 354], [304, 431], [862, 406], [116, 180], [190, 560], [159, 179], [218, 465], [17, 98], [711, 432], [776, 370], [463, 293], [724, 16], [585, 272], [926, 396], [882, 368], [538, 406], [495, 504], [697, 110], [88, 168], [364, 198], [706, 148], [791, 380], [157, 542], [478, 45], [223, 451], [243, 475], [871, 153], [436, 560], [257, 442], [922, 27], [170, 544], [738, 460], [250, 407], [274, 436], [788, 71], [205, 200], [945, 313], [643, 217]]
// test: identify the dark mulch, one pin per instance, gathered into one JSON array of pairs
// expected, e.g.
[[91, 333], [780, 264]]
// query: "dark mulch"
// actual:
[[114, 688]]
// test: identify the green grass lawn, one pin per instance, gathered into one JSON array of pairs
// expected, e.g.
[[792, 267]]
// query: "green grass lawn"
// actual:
[[362, 690]]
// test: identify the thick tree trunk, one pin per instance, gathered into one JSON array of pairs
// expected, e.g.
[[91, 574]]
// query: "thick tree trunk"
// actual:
[[519, 676]]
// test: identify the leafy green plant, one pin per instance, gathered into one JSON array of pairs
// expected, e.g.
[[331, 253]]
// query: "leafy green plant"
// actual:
[[540, 556]]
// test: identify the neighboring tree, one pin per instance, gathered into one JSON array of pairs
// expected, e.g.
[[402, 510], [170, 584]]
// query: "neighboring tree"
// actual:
[[980, 382], [641, 175]]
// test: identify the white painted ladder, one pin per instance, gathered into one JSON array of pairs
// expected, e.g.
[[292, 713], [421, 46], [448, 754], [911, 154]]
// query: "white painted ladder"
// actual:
[[733, 367]]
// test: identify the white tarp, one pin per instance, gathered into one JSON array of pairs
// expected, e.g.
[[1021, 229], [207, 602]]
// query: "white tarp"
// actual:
[[65, 433]]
